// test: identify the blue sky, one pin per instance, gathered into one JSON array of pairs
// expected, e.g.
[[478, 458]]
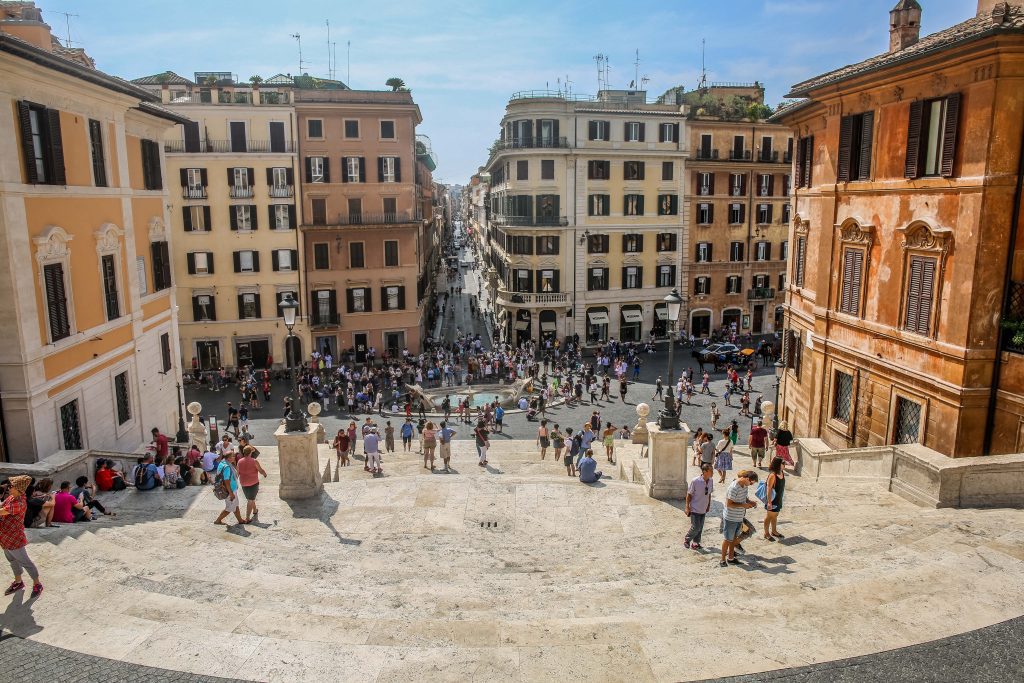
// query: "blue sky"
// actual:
[[463, 59]]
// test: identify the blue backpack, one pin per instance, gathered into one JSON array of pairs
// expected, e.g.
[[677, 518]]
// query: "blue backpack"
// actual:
[[762, 493]]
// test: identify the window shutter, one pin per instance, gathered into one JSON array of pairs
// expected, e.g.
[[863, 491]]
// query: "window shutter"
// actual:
[[289, 174], [270, 177], [845, 291], [867, 133], [661, 133], [291, 217], [186, 218], [949, 134], [590, 205], [768, 245], [592, 130], [231, 177], [344, 169], [57, 148], [369, 299], [801, 256], [191, 263], [384, 299], [254, 222], [192, 136], [309, 169], [295, 259], [926, 300], [554, 132], [743, 212], [332, 302], [808, 159], [845, 145], [625, 130], [641, 167], [640, 242], [911, 166], [238, 261], [623, 285], [398, 169], [639, 276], [233, 216], [675, 134], [206, 218], [771, 208], [56, 301], [350, 300], [25, 121], [798, 169], [380, 169], [209, 262], [183, 174], [643, 126], [640, 205], [274, 261], [271, 222], [241, 307], [858, 271], [327, 169], [213, 308], [257, 307], [255, 261], [251, 173], [711, 213], [195, 308], [914, 295], [771, 187]]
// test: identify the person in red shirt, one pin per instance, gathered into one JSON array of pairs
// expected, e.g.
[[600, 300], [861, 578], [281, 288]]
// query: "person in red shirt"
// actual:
[[758, 436], [162, 448], [13, 539], [249, 471]]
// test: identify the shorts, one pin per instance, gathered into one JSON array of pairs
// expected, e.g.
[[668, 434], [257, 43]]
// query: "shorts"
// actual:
[[231, 504], [251, 491], [446, 451], [498, 420], [568, 460], [731, 529], [757, 453], [544, 442]]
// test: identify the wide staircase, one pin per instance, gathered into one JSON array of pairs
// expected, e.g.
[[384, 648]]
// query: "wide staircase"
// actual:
[[510, 572]]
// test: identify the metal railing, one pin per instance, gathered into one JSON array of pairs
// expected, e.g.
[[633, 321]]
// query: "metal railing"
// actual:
[[286, 191], [232, 146], [240, 192], [533, 143], [532, 299], [709, 155], [742, 155], [330, 319], [364, 218], [772, 158], [193, 192], [761, 293], [531, 221]]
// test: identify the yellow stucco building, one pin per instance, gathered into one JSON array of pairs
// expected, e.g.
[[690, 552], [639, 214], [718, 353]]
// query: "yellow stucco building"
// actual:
[[87, 333]]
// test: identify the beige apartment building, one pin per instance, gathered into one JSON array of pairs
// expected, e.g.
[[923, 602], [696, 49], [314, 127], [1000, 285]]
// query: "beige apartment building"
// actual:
[[233, 170], [89, 324], [369, 238], [586, 216]]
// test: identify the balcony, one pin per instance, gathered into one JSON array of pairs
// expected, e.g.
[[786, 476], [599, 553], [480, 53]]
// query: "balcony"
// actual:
[[739, 155], [325, 319], [787, 158], [707, 155], [760, 293], [533, 143], [193, 192], [281, 192], [364, 218], [768, 158], [530, 221], [231, 146], [542, 299], [240, 192]]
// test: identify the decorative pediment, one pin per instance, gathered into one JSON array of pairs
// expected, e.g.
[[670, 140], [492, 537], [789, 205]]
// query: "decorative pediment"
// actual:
[[924, 237], [52, 244], [157, 230], [854, 231], [108, 238], [800, 226]]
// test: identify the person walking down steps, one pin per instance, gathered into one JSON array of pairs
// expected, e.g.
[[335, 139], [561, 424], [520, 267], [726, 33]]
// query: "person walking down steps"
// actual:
[[13, 539]]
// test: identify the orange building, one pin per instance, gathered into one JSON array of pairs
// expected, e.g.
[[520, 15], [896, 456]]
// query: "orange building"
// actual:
[[87, 333], [369, 238], [906, 285]]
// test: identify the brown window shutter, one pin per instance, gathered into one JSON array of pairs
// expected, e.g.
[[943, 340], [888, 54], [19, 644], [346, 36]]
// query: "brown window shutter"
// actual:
[[25, 121], [949, 134], [867, 132], [911, 166], [808, 159], [845, 292], [56, 148], [845, 144], [913, 302], [798, 170], [186, 218]]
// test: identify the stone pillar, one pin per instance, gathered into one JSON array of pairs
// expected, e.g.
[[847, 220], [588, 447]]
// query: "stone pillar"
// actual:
[[640, 434], [314, 410], [299, 464], [668, 453], [198, 435]]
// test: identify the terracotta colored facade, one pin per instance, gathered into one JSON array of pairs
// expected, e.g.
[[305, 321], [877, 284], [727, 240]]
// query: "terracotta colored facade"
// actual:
[[906, 252]]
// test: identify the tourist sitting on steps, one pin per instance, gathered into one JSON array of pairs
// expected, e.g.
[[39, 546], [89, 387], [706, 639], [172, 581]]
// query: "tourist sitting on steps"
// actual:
[[588, 468]]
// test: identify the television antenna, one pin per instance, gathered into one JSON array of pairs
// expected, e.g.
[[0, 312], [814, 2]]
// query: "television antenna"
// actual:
[[600, 59], [298, 38], [703, 71], [636, 71], [67, 23], [330, 69]]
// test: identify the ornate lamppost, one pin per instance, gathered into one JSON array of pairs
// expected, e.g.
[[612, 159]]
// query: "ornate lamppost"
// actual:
[[182, 435], [668, 418], [295, 421], [780, 368]]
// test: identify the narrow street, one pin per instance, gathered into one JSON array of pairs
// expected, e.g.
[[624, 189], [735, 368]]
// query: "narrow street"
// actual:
[[458, 318]]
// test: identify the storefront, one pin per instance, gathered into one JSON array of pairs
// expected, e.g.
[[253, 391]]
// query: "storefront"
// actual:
[[208, 353], [521, 326], [700, 323], [548, 327], [660, 320], [731, 319], [597, 325], [252, 352], [631, 325]]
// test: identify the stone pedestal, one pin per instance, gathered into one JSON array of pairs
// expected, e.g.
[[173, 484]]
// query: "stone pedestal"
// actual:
[[300, 467], [668, 454]]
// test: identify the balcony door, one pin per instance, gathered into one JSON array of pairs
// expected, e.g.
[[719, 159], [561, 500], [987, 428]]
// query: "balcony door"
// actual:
[[758, 319], [276, 136], [238, 142]]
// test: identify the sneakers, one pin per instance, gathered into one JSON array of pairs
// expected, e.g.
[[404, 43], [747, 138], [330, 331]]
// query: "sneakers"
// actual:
[[36, 590], [14, 587], [723, 563], [696, 546], [734, 560]]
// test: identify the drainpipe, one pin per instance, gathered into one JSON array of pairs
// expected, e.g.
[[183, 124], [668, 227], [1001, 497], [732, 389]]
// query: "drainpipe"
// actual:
[[3, 435], [990, 417]]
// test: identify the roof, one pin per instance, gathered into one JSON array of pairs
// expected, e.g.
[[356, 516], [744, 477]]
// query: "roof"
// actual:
[[279, 79], [162, 112], [906, 4], [27, 51], [975, 28], [167, 77], [787, 108]]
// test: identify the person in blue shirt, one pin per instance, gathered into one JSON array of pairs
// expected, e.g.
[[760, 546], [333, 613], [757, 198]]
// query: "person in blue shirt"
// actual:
[[588, 468], [445, 436], [499, 415], [407, 430], [148, 477], [226, 472]]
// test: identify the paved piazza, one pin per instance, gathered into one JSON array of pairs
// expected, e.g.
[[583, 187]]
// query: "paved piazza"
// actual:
[[396, 579]]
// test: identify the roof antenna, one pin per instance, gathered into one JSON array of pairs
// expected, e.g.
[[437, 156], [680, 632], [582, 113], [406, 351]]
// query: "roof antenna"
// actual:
[[568, 86], [636, 70], [298, 37], [703, 71], [67, 23], [599, 59], [348, 63], [330, 71]]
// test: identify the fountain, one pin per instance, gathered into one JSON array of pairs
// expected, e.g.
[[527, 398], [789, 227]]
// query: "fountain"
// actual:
[[507, 395]]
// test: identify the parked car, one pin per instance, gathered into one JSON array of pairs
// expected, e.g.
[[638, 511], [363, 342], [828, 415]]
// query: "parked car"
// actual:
[[719, 354]]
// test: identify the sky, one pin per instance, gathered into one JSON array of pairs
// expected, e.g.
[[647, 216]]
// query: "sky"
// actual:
[[463, 60]]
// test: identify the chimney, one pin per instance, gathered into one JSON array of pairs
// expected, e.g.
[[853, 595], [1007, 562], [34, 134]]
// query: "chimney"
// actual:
[[985, 7], [905, 24]]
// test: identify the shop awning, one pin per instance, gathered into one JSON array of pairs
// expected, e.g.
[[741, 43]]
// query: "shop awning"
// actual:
[[598, 318], [661, 313], [548, 327], [522, 324], [632, 316]]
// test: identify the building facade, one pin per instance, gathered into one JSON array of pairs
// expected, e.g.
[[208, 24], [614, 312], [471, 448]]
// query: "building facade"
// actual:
[[86, 359], [905, 302], [369, 238], [233, 171]]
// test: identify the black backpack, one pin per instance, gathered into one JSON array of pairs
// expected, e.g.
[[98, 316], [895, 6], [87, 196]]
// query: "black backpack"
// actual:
[[140, 475]]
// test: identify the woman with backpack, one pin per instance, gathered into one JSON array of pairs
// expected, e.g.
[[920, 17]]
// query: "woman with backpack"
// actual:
[[774, 488], [575, 444], [482, 442]]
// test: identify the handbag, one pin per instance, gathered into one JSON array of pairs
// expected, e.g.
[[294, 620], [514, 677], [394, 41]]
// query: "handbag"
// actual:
[[762, 493]]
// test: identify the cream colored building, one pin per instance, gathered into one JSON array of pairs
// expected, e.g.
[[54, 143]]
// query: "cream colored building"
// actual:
[[233, 176]]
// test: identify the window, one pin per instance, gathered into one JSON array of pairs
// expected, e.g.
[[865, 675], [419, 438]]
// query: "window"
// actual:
[[702, 285], [152, 178], [165, 352], [284, 259], [666, 276], [920, 295], [390, 253], [633, 205], [907, 421], [765, 185], [782, 281], [632, 277], [735, 251], [785, 213], [355, 210], [666, 241], [140, 273], [597, 279], [597, 244], [786, 180], [736, 214], [931, 137], [321, 256], [354, 172], [599, 130], [70, 426], [764, 214], [161, 266], [766, 149], [784, 250], [738, 184], [547, 245], [324, 312], [248, 306], [247, 261], [705, 184], [668, 132], [632, 244], [667, 170], [634, 131], [193, 182], [243, 217], [359, 300], [761, 282], [108, 266], [547, 169], [853, 271], [319, 210], [42, 144], [547, 280], [522, 169], [351, 129], [390, 205], [799, 268], [598, 170], [703, 252], [733, 284], [317, 170], [633, 170], [387, 130], [315, 128], [805, 160], [668, 204], [763, 251], [392, 298], [842, 397], [547, 133], [855, 134], [203, 308], [355, 255], [280, 181], [99, 167], [522, 280], [388, 170], [738, 145], [281, 216], [705, 214], [56, 301], [521, 244], [547, 209], [705, 151]]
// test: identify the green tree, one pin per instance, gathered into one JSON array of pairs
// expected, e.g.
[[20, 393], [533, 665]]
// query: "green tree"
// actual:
[[395, 84], [255, 80]]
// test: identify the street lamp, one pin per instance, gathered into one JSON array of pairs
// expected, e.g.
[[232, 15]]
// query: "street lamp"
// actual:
[[668, 418], [780, 368], [182, 435], [295, 421]]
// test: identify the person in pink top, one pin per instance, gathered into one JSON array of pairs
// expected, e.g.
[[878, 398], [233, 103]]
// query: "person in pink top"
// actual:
[[249, 471], [66, 508]]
